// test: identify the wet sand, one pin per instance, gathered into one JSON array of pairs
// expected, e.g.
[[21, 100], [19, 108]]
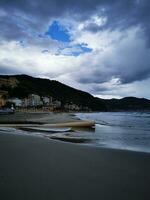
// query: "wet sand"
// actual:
[[33, 168], [37, 118]]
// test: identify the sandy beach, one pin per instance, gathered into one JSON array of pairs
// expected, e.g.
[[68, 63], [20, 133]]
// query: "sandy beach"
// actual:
[[38, 168], [38, 118]]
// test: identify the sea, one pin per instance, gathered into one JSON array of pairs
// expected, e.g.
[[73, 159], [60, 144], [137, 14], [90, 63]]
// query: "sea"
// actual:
[[121, 130], [115, 130]]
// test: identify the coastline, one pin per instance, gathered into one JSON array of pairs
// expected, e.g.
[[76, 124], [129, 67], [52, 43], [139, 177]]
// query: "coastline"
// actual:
[[58, 126], [37, 168], [74, 128], [40, 117], [44, 168]]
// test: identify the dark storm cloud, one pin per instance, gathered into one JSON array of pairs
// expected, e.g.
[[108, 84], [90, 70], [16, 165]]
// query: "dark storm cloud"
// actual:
[[136, 76], [96, 76], [124, 76], [40, 12], [119, 14], [10, 30], [128, 62]]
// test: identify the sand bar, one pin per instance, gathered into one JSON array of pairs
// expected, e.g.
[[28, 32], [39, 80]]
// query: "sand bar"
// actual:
[[57, 125]]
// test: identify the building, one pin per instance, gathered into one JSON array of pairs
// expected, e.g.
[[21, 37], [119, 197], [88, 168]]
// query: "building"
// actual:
[[34, 100], [56, 104], [72, 107], [25, 102], [2, 101], [3, 96], [47, 100], [16, 101]]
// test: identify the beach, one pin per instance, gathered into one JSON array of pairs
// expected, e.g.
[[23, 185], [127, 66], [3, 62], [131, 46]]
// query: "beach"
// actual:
[[38, 118], [37, 168]]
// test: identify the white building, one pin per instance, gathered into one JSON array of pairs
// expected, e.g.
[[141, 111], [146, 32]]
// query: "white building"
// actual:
[[16, 101], [72, 107], [47, 100], [34, 100]]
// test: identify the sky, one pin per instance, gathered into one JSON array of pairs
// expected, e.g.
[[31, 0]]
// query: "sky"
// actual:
[[99, 46]]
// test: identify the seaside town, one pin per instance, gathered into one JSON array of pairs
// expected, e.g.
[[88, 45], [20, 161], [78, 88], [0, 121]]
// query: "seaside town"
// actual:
[[74, 100], [35, 102]]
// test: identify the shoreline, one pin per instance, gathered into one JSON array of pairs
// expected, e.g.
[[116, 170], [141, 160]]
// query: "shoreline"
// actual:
[[37, 168], [41, 118], [69, 128]]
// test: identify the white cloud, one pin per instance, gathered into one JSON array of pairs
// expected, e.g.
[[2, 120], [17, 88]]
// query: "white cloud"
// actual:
[[94, 21], [116, 56], [31, 60]]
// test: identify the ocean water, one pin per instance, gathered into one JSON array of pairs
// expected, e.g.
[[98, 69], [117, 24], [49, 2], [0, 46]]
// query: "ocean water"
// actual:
[[121, 130], [117, 130]]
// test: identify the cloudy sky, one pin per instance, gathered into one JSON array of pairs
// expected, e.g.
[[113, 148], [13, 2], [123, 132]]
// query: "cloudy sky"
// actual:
[[100, 46]]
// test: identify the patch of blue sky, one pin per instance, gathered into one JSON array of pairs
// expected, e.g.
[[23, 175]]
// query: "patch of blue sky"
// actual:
[[74, 50], [81, 50], [85, 49], [58, 32]]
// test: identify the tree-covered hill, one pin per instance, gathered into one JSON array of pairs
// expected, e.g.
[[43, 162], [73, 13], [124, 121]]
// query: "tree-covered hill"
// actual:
[[22, 85], [25, 85]]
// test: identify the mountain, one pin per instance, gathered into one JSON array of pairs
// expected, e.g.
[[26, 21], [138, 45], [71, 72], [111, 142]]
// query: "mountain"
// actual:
[[127, 104], [22, 85]]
